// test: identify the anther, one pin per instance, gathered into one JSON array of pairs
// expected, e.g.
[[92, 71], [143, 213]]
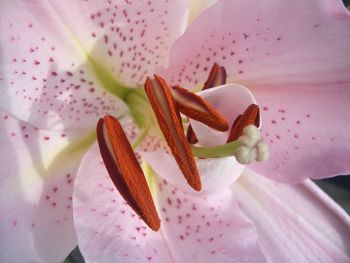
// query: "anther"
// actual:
[[250, 116], [217, 77], [196, 108], [167, 116], [125, 171], [191, 136]]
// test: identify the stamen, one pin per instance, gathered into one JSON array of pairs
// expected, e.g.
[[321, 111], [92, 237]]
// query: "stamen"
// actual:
[[250, 116], [195, 107], [168, 119], [125, 171], [191, 136], [217, 77]]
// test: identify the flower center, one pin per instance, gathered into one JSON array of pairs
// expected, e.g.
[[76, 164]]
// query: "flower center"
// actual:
[[164, 105]]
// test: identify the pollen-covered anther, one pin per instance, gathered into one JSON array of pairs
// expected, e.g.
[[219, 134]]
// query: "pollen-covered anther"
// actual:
[[252, 148], [125, 171], [168, 117]]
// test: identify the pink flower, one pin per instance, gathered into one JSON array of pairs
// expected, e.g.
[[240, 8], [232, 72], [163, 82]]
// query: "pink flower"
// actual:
[[59, 72]]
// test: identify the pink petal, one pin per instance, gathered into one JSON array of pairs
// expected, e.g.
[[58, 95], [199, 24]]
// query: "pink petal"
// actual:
[[230, 100], [105, 225], [295, 223], [268, 43], [36, 179], [197, 7], [194, 229], [206, 228], [294, 57], [227, 169], [307, 132], [59, 60]]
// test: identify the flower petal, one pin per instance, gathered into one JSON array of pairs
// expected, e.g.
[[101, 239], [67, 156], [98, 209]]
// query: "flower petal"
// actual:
[[59, 61], [268, 43], [106, 226], [36, 180], [200, 229], [307, 132], [207, 228], [294, 57], [230, 100], [215, 174], [295, 223]]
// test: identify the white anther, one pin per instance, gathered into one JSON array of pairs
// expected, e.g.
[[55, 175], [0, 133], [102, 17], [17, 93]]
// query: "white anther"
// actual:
[[253, 147]]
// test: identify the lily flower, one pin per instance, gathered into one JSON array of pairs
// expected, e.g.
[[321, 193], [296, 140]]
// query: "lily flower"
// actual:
[[51, 102]]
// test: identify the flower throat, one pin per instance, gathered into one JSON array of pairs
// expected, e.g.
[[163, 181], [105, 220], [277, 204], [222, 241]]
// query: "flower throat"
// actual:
[[244, 140]]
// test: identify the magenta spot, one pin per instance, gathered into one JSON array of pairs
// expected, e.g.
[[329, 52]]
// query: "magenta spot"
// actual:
[[54, 204], [265, 108], [296, 136], [273, 122], [297, 122]]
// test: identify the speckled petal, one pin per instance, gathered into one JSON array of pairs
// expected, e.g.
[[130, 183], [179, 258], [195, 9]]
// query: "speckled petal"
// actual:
[[61, 63], [193, 229], [298, 223], [107, 228], [36, 180], [207, 228], [294, 57]]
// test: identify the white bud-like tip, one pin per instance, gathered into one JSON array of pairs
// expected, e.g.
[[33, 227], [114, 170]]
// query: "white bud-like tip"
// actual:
[[263, 151], [251, 136], [245, 155], [253, 146]]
